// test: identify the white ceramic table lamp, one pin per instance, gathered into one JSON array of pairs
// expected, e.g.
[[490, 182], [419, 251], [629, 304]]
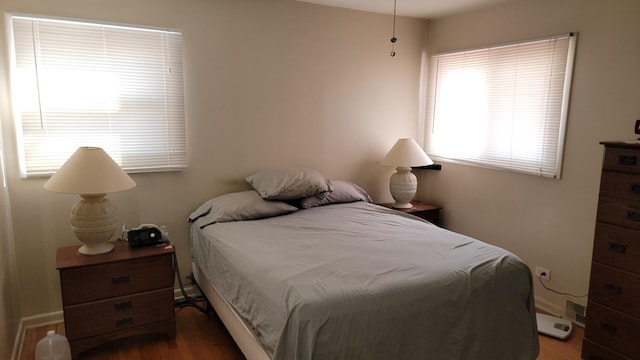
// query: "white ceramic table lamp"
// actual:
[[403, 184], [91, 173]]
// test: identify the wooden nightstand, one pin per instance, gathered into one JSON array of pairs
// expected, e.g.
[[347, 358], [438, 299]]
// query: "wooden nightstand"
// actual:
[[110, 296], [429, 212]]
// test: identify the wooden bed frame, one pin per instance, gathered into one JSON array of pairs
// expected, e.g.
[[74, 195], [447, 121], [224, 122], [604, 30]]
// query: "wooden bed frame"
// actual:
[[243, 337]]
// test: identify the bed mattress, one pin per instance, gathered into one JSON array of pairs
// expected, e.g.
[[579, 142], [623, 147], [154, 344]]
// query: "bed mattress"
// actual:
[[360, 281]]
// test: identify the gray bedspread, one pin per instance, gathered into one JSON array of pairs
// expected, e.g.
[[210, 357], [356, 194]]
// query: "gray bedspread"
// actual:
[[360, 281]]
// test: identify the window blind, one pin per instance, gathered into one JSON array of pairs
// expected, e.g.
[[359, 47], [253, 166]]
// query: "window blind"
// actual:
[[86, 84], [501, 107]]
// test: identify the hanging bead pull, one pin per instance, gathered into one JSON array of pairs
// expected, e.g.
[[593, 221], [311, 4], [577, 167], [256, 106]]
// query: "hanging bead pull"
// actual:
[[393, 36]]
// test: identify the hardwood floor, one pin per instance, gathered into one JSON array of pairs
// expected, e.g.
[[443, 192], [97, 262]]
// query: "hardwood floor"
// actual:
[[200, 338], [556, 349]]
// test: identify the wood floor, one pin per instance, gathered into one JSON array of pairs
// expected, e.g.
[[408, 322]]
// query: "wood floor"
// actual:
[[199, 338]]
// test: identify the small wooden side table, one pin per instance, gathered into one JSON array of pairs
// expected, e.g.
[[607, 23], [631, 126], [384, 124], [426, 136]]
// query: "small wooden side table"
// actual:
[[421, 209], [121, 293]]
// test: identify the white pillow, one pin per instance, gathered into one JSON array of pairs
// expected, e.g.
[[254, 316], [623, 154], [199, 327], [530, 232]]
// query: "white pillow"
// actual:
[[288, 183], [244, 205]]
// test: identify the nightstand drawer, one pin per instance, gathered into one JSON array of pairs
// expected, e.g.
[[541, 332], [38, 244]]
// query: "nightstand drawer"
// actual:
[[613, 329], [617, 246], [105, 316], [103, 281], [616, 289], [432, 216]]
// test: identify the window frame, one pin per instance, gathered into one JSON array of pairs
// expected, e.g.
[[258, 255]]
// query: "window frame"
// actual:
[[156, 117], [429, 120]]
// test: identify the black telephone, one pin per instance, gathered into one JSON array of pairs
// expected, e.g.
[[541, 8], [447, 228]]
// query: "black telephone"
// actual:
[[147, 235]]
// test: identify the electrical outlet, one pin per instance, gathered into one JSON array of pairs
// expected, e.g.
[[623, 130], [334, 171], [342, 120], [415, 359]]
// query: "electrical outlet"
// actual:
[[544, 274]]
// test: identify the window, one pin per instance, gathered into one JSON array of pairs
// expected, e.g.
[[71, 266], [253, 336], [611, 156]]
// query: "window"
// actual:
[[85, 84], [502, 107]]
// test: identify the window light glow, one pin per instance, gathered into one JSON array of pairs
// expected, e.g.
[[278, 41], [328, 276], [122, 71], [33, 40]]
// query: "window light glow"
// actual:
[[66, 90], [460, 86]]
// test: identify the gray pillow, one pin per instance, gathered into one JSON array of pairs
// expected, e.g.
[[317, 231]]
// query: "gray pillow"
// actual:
[[244, 205], [343, 192], [288, 183]]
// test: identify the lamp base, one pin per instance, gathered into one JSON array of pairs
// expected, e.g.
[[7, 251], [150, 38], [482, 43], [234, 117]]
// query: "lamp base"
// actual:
[[94, 220], [96, 249], [403, 185], [402, 206]]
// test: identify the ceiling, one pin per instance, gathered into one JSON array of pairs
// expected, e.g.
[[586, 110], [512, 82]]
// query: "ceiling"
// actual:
[[427, 9]]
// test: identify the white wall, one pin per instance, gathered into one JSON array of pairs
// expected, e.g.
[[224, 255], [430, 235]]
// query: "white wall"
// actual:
[[268, 83], [548, 222], [9, 299]]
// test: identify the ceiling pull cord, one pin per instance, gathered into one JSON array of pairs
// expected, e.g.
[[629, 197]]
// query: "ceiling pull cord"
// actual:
[[393, 35]]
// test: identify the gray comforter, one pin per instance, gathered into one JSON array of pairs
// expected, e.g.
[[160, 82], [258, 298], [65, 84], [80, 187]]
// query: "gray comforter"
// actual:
[[359, 281]]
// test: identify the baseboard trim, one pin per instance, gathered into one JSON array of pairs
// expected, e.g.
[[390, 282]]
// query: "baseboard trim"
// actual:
[[29, 322], [192, 291], [42, 319], [17, 343], [548, 307]]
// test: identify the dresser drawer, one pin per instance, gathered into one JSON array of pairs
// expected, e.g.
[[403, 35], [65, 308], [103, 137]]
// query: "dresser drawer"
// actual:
[[617, 246], [615, 211], [592, 351], [614, 288], [96, 282], [622, 160], [613, 329], [620, 185], [104, 316]]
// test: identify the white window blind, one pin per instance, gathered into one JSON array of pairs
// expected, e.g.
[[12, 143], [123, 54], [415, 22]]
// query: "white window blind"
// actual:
[[86, 84], [501, 107]]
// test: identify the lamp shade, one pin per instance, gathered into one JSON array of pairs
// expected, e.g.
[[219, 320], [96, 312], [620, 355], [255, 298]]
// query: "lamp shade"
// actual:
[[406, 153], [90, 170], [91, 173]]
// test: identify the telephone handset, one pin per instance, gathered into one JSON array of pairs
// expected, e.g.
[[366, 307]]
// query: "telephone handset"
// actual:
[[147, 234]]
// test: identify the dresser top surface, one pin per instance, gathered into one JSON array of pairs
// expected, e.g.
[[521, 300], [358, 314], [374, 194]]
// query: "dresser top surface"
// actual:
[[68, 257], [624, 144]]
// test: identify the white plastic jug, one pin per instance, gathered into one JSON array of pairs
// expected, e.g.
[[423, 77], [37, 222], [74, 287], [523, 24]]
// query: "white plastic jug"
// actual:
[[53, 347]]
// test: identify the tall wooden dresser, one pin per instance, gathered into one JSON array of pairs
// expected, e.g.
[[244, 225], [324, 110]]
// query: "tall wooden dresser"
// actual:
[[612, 329]]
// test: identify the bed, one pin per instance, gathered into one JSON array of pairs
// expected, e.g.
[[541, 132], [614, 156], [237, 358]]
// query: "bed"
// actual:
[[354, 280]]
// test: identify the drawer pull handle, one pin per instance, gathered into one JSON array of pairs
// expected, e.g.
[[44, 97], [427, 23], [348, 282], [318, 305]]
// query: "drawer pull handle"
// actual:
[[124, 322], [122, 306], [634, 188], [627, 160], [117, 280], [613, 289], [611, 329], [619, 248], [633, 215]]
